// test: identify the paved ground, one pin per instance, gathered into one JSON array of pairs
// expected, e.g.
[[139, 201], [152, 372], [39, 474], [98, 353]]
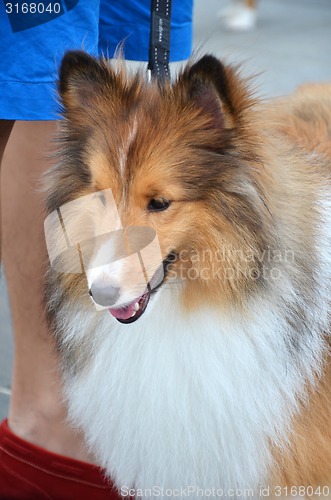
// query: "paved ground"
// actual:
[[291, 45], [6, 349]]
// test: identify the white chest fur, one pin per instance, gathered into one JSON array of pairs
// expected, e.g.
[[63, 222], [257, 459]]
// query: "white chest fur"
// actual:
[[177, 401]]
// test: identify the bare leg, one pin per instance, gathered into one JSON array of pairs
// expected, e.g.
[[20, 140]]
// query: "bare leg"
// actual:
[[36, 412], [5, 129]]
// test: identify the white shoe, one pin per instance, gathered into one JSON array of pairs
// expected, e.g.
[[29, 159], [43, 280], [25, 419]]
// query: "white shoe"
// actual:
[[238, 17]]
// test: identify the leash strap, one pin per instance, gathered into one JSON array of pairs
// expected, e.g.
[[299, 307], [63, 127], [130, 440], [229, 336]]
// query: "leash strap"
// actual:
[[159, 42]]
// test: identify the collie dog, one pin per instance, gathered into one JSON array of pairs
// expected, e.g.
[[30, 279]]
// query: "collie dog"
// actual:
[[207, 374]]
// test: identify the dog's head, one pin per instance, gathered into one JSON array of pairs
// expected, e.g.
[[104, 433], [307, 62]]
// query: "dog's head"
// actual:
[[182, 167]]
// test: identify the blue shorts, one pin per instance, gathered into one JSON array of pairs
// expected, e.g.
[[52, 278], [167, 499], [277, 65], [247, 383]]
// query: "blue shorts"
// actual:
[[35, 35]]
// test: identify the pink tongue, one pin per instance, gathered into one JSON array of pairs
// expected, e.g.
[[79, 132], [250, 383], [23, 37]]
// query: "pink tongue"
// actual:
[[124, 312]]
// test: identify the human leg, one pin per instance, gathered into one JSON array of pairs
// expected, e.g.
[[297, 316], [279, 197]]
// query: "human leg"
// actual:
[[37, 413], [5, 130]]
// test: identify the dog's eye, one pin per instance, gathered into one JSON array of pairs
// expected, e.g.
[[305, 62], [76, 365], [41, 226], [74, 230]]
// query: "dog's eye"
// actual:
[[158, 204]]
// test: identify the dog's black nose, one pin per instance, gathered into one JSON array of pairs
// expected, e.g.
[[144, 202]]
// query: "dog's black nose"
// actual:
[[104, 295]]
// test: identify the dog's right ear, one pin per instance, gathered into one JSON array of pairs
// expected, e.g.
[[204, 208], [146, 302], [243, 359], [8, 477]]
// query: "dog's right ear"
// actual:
[[81, 79]]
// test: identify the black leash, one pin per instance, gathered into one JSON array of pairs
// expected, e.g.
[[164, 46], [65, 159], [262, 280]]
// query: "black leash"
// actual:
[[159, 41]]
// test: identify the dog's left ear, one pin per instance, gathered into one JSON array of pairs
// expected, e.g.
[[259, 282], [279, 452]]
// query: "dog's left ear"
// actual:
[[216, 89], [81, 78]]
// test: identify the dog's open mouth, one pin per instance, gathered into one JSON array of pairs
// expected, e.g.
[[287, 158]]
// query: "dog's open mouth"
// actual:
[[131, 312]]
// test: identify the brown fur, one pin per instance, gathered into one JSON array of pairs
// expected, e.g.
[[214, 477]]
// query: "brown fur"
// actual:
[[230, 166], [306, 120], [308, 460]]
